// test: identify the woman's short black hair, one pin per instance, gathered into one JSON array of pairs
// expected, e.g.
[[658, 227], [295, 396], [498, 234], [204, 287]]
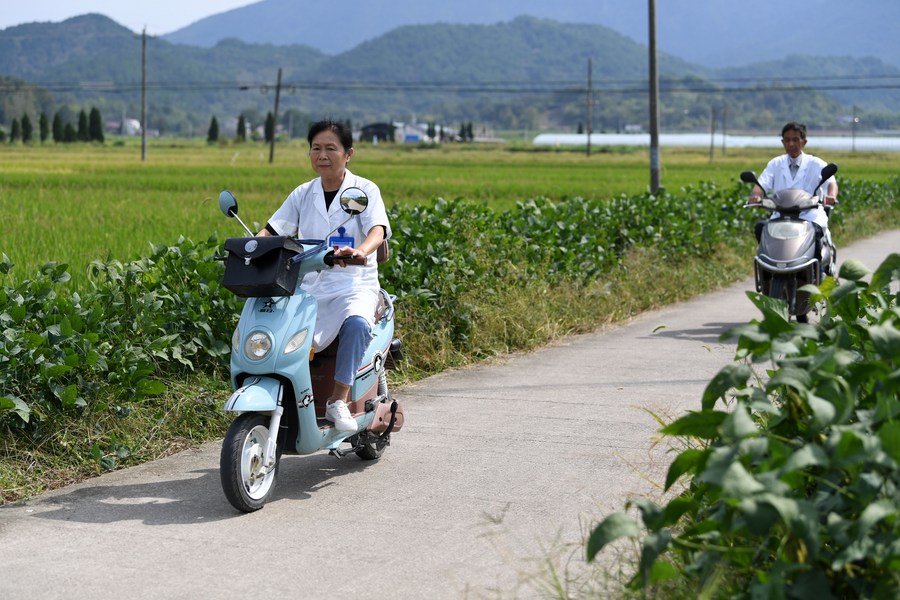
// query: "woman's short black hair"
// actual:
[[339, 129]]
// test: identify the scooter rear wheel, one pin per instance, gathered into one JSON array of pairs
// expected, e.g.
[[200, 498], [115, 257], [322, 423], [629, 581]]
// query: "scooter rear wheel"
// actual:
[[372, 445], [245, 480]]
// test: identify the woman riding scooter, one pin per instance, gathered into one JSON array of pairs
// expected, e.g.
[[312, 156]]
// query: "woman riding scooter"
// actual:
[[347, 297]]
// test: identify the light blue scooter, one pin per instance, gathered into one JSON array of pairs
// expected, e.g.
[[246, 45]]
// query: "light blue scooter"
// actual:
[[280, 385]]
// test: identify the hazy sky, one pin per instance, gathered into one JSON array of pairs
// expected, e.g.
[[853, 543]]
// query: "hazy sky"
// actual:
[[158, 16]]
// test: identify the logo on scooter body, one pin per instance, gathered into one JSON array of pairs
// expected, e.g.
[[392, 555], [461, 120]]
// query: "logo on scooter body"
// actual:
[[268, 306]]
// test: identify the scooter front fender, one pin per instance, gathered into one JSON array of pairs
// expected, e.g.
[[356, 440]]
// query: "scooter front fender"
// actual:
[[258, 394]]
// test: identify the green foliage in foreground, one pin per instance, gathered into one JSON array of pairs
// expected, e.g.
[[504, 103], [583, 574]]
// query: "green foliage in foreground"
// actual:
[[470, 282], [793, 486]]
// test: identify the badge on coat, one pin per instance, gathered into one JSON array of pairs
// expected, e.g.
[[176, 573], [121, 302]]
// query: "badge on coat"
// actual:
[[341, 239]]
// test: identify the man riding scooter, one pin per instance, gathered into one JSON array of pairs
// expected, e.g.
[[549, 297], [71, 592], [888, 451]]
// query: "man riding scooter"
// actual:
[[796, 169]]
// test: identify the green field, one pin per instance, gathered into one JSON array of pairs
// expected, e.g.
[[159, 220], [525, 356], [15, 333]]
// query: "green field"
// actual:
[[74, 203]]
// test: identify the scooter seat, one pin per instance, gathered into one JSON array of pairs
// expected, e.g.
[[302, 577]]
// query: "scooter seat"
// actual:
[[382, 306]]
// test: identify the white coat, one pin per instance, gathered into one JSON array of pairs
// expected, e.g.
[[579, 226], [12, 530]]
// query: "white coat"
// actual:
[[341, 292], [777, 176]]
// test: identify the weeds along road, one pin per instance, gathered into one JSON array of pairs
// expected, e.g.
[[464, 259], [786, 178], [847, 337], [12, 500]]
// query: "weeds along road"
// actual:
[[496, 477]]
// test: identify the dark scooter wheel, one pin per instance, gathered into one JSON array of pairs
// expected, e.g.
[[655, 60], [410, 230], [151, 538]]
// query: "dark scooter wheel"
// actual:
[[246, 482], [779, 289], [798, 305], [372, 445]]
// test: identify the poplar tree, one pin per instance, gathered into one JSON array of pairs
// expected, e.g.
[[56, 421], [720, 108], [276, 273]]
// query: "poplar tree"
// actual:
[[27, 129], [212, 135], [95, 127], [84, 135], [57, 129], [44, 127]]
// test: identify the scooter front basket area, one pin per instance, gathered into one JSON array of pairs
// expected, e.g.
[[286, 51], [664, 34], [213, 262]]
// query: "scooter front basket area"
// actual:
[[257, 267]]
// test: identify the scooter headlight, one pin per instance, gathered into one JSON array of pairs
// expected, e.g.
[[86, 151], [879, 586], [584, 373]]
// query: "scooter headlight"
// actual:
[[296, 341], [257, 346]]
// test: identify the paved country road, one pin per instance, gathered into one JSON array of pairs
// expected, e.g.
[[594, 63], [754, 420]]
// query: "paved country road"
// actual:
[[499, 472]]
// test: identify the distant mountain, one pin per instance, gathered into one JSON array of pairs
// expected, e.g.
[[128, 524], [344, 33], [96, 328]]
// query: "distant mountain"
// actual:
[[440, 70], [714, 33], [92, 59], [527, 73]]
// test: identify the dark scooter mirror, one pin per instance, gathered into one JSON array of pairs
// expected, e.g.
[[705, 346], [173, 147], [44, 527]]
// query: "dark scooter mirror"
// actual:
[[354, 201], [828, 172], [749, 177], [228, 205]]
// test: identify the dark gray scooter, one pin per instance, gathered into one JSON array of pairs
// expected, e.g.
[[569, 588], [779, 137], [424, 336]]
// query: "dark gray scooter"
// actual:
[[786, 258]]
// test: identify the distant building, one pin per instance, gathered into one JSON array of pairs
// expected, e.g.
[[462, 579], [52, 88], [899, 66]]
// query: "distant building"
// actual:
[[377, 132], [131, 127], [126, 127], [416, 133]]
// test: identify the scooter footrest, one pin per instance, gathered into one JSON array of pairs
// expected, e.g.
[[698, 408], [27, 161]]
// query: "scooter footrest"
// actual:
[[371, 403]]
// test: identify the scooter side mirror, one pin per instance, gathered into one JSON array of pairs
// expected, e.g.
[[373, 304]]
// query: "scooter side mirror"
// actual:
[[354, 201], [228, 203], [828, 171], [749, 177]]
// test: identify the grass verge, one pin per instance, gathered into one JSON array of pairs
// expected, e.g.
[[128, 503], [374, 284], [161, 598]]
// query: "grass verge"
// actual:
[[189, 414]]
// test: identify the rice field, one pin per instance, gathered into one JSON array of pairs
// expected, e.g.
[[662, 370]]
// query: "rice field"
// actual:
[[75, 203]]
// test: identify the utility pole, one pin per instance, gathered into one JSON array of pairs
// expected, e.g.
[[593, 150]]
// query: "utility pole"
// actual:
[[275, 118], [724, 121], [654, 103], [144, 95], [712, 132], [590, 106]]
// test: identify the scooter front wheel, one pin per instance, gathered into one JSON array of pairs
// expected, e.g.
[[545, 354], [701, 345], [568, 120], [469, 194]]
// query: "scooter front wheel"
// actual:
[[797, 302], [246, 480]]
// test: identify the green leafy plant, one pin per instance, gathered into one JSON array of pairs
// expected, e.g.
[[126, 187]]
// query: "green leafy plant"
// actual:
[[791, 488], [141, 321], [471, 281]]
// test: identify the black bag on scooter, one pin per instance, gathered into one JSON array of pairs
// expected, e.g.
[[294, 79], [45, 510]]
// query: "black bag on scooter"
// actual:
[[261, 266]]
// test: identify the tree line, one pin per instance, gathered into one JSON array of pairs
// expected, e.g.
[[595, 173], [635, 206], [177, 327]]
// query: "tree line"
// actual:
[[89, 128]]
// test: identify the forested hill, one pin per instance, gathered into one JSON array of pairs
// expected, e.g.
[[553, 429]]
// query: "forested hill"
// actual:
[[94, 48], [714, 33], [526, 73], [93, 57]]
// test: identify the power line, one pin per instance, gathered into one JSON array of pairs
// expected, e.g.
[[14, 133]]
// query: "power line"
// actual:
[[633, 86]]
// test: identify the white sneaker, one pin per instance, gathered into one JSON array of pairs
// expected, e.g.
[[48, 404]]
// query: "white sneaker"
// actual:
[[339, 414]]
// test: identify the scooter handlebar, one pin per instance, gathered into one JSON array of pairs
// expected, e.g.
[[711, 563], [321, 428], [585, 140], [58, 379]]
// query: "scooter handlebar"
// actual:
[[330, 259]]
